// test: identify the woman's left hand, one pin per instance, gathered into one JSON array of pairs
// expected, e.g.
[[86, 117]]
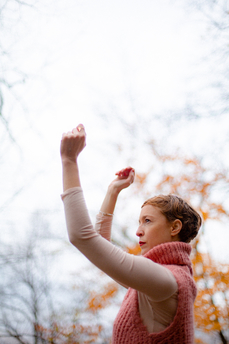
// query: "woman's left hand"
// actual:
[[72, 143], [125, 178]]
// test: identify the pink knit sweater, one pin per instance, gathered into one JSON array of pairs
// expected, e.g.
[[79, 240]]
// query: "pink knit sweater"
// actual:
[[128, 326]]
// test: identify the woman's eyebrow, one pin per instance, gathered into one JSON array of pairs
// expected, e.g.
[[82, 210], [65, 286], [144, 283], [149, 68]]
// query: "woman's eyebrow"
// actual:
[[141, 218]]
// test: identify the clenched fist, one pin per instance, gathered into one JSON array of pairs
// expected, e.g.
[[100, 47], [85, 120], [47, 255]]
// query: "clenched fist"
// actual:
[[72, 143]]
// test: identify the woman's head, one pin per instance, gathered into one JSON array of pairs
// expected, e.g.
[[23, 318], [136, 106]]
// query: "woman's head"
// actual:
[[175, 208]]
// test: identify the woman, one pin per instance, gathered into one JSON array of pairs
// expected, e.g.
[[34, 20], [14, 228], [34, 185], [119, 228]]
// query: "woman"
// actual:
[[158, 306]]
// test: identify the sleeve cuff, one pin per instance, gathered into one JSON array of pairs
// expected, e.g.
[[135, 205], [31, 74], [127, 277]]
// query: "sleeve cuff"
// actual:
[[76, 189]]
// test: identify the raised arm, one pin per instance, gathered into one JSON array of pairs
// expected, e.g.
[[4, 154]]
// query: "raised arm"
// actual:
[[103, 223], [129, 270], [72, 143], [124, 178]]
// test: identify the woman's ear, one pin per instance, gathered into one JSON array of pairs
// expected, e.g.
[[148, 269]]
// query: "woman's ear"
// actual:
[[176, 227]]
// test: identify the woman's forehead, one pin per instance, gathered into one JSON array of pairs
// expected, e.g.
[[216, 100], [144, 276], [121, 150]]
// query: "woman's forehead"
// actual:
[[149, 209]]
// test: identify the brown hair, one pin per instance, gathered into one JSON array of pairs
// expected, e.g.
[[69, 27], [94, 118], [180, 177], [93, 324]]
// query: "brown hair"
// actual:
[[174, 207]]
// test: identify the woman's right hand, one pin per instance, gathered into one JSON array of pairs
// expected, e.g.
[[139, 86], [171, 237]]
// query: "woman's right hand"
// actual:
[[125, 178], [72, 143]]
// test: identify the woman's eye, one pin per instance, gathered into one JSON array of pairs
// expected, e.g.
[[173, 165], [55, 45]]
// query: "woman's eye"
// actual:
[[147, 220]]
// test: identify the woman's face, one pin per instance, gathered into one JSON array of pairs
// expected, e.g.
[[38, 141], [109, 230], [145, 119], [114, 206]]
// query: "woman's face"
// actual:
[[154, 229]]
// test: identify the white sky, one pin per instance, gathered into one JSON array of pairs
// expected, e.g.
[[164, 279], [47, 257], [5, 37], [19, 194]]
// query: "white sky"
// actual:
[[83, 59]]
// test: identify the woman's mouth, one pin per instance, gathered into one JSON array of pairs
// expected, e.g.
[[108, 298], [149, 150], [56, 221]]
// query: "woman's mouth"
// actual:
[[141, 243]]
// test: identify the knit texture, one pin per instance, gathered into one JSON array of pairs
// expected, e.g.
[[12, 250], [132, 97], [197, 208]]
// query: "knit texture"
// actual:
[[128, 326]]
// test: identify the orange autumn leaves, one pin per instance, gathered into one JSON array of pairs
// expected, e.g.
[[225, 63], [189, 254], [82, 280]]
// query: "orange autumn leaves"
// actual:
[[212, 302], [73, 334], [99, 300], [188, 178], [80, 331]]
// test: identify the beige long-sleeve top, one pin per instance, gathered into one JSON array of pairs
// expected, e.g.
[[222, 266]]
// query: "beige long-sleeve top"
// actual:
[[157, 287]]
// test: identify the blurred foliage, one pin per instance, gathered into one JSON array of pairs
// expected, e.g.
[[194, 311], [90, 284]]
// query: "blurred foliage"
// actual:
[[102, 299], [74, 334]]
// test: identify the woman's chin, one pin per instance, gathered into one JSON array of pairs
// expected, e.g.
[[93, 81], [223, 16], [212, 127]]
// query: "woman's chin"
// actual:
[[144, 250]]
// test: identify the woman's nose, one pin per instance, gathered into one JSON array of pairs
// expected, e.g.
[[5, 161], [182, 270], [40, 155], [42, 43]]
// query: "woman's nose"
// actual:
[[139, 231]]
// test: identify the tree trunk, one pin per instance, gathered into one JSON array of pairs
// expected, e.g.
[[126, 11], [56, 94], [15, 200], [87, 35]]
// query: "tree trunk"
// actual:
[[224, 341]]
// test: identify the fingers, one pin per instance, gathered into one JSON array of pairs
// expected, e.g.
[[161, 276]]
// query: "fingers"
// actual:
[[79, 130], [126, 175], [123, 180], [73, 142], [132, 176], [125, 172]]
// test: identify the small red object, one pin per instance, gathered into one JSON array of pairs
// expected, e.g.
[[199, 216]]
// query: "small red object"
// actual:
[[125, 172]]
